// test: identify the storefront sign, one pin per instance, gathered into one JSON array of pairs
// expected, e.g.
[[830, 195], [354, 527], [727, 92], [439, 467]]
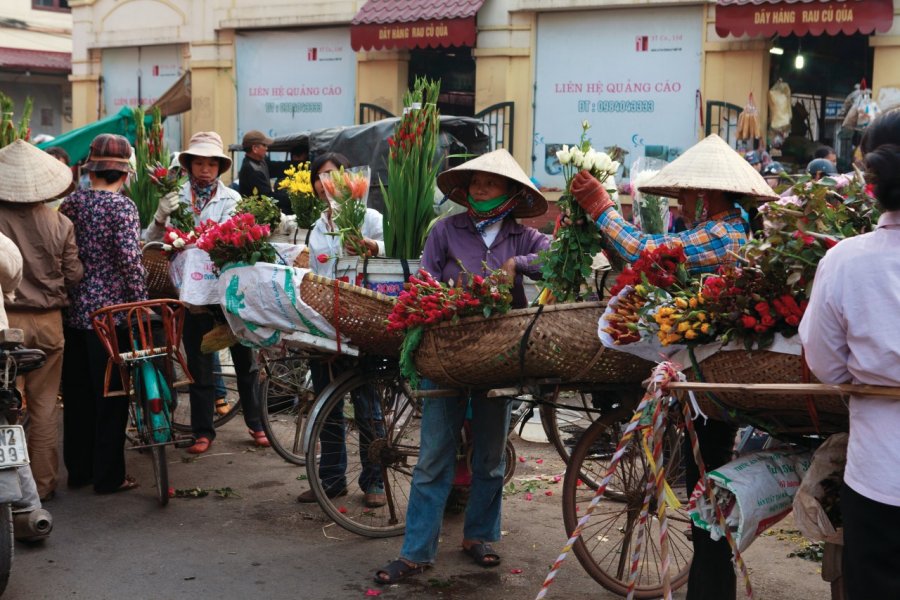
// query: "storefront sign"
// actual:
[[803, 18], [634, 74], [138, 77], [295, 81], [418, 34]]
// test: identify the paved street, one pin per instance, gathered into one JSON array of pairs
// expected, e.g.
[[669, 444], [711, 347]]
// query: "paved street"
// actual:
[[265, 545]]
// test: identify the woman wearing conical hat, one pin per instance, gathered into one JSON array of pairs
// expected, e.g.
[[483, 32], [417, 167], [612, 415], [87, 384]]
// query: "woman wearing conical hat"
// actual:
[[707, 180], [495, 191]]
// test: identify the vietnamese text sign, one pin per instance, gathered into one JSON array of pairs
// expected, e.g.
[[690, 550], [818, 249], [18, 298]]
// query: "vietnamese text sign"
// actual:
[[294, 81], [634, 74]]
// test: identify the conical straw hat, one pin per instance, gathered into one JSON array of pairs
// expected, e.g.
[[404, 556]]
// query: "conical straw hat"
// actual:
[[710, 165], [455, 182], [29, 175]]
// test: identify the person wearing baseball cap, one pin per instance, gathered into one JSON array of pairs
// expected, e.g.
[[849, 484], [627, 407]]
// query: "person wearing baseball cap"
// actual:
[[107, 232], [255, 178]]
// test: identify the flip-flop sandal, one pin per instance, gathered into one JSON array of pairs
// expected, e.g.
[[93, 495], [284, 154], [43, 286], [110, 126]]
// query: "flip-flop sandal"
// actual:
[[398, 570], [129, 484], [200, 446], [483, 554]]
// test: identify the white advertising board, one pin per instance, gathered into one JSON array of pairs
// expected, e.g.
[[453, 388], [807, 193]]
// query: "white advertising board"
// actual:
[[294, 81], [634, 74], [133, 76]]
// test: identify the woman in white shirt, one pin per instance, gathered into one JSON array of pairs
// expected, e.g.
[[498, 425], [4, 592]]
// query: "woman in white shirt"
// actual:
[[851, 333]]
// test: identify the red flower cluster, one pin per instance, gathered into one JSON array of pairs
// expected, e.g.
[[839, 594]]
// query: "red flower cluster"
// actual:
[[788, 308], [428, 301], [237, 239], [409, 134], [663, 266]]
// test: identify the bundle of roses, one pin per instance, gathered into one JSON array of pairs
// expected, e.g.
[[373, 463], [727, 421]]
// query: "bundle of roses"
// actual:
[[428, 302], [239, 239], [175, 240]]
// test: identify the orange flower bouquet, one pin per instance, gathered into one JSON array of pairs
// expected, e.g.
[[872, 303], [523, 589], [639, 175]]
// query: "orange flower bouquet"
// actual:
[[347, 191]]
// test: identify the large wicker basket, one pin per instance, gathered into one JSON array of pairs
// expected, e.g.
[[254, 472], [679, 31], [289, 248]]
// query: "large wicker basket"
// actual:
[[558, 341], [156, 273], [788, 413], [355, 312]]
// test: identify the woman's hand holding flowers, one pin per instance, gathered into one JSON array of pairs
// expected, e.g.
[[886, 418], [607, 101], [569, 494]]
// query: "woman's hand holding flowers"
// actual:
[[590, 194]]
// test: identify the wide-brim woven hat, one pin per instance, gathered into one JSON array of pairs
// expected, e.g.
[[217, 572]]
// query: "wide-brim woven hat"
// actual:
[[29, 175], [709, 165], [455, 182], [204, 143]]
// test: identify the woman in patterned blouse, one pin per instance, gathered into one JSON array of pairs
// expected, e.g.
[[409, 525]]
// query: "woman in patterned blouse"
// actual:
[[107, 232]]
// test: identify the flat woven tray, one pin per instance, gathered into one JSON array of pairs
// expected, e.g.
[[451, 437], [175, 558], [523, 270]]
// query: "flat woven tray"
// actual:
[[788, 413], [355, 312], [556, 341]]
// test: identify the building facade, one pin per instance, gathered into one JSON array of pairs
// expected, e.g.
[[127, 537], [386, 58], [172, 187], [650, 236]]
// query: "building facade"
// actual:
[[651, 77], [35, 61]]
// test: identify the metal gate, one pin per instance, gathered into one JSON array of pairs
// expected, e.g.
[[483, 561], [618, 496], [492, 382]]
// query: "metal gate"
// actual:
[[372, 112], [722, 119], [499, 119]]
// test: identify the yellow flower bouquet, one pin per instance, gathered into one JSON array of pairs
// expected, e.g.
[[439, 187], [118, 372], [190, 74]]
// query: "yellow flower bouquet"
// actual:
[[304, 201]]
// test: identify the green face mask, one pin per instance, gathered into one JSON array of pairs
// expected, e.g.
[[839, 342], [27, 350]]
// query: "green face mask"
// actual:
[[486, 206]]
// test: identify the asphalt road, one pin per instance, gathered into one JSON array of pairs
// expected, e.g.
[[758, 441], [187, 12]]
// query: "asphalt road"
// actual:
[[263, 544]]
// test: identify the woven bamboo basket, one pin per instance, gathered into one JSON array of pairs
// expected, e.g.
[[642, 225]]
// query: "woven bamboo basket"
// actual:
[[789, 413], [558, 341], [156, 273], [355, 312]]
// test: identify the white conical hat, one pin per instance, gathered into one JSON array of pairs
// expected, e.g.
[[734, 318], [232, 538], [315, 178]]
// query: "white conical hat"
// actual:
[[455, 182], [29, 175], [712, 165]]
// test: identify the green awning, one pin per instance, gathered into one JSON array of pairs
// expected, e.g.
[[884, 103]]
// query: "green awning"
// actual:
[[77, 143]]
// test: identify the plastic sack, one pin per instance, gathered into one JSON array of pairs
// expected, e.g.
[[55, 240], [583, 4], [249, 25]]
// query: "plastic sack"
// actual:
[[651, 212], [888, 98], [867, 110], [755, 492], [827, 470], [262, 303], [780, 106]]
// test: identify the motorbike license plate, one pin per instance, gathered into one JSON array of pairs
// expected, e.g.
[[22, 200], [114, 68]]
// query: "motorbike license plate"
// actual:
[[13, 451]]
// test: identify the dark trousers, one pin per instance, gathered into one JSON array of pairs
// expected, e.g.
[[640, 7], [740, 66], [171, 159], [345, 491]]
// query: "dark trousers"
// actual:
[[712, 574], [871, 558], [332, 441], [93, 426], [203, 390]]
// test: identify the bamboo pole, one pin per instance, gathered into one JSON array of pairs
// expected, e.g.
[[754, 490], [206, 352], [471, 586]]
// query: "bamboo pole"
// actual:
[[806, 389]]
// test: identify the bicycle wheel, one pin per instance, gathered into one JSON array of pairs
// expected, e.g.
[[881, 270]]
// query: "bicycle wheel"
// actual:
[[607, 542], [372, 422], [181, 417], [152, 391], [286, 399]]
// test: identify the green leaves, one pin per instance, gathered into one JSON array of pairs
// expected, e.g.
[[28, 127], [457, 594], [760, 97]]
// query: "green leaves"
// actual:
[[566, 265]]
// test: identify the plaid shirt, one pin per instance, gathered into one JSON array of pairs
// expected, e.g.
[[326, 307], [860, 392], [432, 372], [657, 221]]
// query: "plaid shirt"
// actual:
[[706, 245]]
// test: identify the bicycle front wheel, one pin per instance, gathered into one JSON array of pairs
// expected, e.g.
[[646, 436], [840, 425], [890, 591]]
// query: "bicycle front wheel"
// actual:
[[365, 439], [286, 399], [608, 540], [153, 391]]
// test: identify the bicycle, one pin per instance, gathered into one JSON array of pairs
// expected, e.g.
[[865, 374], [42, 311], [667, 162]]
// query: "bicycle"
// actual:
[[151, 332]]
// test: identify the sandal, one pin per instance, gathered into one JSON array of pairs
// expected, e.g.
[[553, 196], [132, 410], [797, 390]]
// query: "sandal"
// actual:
[[201, 445], [483, 554], [260, 437], [129, 484], [222, 407], [398, 570]]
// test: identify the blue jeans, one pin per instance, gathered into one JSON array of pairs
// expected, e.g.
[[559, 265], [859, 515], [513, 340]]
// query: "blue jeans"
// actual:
[[442, 422], [332, 440]]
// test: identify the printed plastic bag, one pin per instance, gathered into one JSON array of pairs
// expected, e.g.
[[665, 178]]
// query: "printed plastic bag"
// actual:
[[867, 110], [780, 106], [755, 492], [193, 275], [822, 480]]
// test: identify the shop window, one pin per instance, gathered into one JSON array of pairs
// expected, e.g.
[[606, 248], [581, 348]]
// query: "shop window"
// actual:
[[455, 67], [60, 5]]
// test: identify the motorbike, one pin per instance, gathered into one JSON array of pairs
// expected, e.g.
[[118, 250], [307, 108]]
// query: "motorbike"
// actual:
[[21, 514]]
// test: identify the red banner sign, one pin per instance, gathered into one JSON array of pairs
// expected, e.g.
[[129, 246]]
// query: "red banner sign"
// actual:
[[418, 34], [802, 18]]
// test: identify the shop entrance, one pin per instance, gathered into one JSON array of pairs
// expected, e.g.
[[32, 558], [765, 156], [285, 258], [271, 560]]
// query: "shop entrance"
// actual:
[[455, 67], [821, 72]]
